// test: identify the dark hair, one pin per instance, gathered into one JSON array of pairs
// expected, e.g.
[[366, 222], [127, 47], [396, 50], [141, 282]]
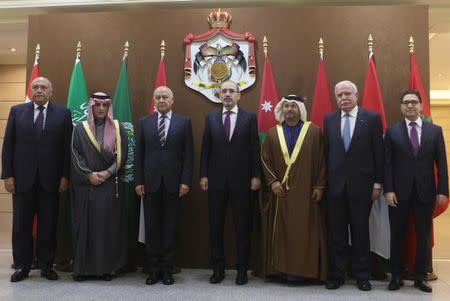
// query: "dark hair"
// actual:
[[415, 92]]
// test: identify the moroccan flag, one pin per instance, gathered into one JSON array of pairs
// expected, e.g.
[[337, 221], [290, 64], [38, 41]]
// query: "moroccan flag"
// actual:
[[372, 99], [268, 99], [160, 80], [321, 103], [122, 112], [379, 229], [33, 75], [77, 100], [415, 83]]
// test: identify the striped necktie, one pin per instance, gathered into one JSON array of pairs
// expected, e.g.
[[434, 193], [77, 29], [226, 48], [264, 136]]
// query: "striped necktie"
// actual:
[[346, 132], [162, 130]]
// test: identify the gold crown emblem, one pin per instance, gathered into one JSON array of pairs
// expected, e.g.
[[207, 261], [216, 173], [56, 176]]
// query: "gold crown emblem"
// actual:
[[219, 19]]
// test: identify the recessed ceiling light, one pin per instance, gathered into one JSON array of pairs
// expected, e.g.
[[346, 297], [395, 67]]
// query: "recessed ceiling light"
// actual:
[[12, 49]]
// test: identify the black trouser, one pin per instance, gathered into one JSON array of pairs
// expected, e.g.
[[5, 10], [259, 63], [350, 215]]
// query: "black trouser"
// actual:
[[342, 212], [241, 206], [160, 209], [25, 205], [398, 217]]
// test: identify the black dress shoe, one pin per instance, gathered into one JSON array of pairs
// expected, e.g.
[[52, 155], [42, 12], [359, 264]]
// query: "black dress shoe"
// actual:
[[333, 284], [364, 285], [217, 276], [241, 278], [49, 274], [19, 275], [79, 278], [395, 284], [423, 286], [153, 278], [167, 278], [107, 277]]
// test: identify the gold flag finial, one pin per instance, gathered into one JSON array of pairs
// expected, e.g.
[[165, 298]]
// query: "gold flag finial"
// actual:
[[163, 48], [265, 45], [37, 52], [79, 50], [411, 44], [126, 49], [370, 43], [321, 47]]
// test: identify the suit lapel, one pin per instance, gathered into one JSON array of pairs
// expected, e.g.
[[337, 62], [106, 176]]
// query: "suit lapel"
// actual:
[[404, 135], [424, 136], [359, 121], [219, 124], [172, 127], [336, 128], [240, 118]]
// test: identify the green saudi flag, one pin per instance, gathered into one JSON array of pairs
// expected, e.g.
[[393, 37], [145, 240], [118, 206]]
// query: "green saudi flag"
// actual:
[[77, 100], [122, 112]]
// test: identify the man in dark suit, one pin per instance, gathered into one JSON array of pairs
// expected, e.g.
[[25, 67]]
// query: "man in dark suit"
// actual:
[[35, 166], [163, 175], [354, 148], [413, 147], [229, 170]]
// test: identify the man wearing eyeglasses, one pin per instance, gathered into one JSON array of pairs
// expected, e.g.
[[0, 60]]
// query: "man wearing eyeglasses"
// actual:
[[412, 148], [229, 170]]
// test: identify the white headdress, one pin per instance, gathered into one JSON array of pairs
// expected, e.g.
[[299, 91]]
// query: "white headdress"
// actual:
[[290, 99]]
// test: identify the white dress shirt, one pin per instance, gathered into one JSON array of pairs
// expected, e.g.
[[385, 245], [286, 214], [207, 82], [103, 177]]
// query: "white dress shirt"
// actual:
[[418, 127], [233, 117], [36, 112], [166, 122]]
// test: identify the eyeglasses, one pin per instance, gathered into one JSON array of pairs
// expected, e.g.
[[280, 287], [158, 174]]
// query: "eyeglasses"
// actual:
[[410, 102]]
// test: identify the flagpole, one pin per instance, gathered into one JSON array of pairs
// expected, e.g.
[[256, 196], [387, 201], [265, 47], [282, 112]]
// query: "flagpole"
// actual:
[[265, 45], [163, 49], [126, 49], [37, 53], [321, 48], [411, 44], [370, 45]]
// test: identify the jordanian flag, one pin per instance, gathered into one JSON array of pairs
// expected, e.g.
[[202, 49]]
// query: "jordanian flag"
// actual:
[[122, 112], [77, 100], [268, 99]]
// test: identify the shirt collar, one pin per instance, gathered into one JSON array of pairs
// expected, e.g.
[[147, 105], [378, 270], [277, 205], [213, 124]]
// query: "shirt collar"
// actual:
[[234, 110], [352, 113], [45, 105], [168, 115], [418, 122]]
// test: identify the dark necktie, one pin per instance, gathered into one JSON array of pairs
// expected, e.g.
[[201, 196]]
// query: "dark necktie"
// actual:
[[346, 132], [227, 124], [414, 138], [39, 122], [162, 130]]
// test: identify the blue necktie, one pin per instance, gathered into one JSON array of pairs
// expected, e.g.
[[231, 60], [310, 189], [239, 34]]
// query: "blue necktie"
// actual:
[[39, 122], [346, 132]]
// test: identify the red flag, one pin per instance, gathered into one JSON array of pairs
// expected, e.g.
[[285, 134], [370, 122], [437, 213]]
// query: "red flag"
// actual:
[[268, 99], [372, 99], [160, 80], [33, 75], [415, 83], [322, 103]]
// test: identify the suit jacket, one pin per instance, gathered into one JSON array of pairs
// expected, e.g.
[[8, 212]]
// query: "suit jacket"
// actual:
[[233, 162], [362, 165], [403, 169], [24, 154], [172, 163]]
